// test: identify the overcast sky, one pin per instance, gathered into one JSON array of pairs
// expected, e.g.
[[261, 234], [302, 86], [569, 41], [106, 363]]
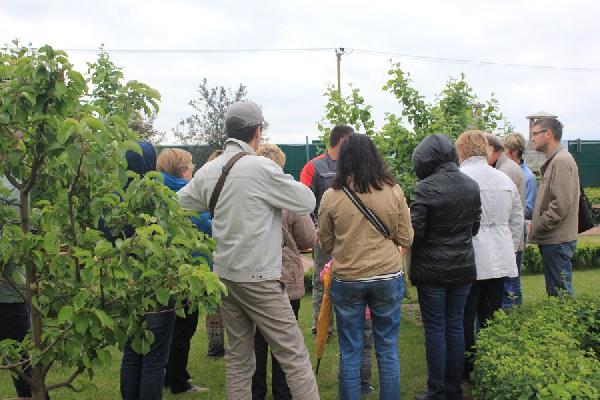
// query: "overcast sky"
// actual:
[[289, 86]]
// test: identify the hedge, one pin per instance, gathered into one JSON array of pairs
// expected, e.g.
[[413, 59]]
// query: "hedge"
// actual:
[[585, 257], [550, 350]]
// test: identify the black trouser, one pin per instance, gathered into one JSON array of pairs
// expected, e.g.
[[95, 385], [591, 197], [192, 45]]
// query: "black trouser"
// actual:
[[484, 299], [177, 376], [281, 391], [15, 324]]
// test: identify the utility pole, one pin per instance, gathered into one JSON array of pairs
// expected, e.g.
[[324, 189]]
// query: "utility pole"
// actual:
[[338, 54]]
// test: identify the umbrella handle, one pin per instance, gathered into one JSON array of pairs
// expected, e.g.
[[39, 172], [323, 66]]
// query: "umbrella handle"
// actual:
[[317, 368]]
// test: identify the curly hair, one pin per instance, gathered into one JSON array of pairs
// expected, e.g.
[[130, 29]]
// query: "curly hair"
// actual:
[[472, 143], [173, 161], [272, 152]]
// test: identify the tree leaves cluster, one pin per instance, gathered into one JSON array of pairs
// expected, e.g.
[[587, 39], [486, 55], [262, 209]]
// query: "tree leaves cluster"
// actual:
[[455, 109], [63, 145]]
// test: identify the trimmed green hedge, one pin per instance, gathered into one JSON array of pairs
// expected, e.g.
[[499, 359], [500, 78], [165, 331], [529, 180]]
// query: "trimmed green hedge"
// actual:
[[585, 257], [550, 350]]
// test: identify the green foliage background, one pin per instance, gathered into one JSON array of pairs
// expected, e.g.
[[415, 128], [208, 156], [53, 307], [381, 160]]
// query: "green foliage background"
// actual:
[[456, 109]]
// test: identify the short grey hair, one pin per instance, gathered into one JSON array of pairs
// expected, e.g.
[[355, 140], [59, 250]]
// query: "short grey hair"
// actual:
[[552, 124]]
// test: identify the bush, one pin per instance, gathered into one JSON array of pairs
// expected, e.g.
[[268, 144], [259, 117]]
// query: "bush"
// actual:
[[550, 350], [585, 257]]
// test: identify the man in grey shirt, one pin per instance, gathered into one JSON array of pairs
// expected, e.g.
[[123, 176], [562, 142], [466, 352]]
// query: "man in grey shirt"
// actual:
[[247, 228]]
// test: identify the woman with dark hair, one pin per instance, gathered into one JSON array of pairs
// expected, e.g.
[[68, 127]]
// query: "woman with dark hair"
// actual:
[[366, 267]]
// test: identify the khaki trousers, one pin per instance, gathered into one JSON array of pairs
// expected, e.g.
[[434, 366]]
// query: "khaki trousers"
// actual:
[[264, 305]]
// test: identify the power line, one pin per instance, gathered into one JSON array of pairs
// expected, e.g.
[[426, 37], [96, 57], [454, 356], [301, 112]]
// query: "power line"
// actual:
[[474, 62], [202, 51], [446, 60]]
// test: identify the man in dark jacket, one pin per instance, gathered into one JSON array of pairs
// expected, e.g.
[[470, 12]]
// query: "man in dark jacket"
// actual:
[[445, 215]]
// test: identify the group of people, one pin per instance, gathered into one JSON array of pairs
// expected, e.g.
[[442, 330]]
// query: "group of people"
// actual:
[[464, 231]]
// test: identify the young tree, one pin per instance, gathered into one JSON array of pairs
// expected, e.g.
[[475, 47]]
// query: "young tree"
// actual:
[[134, 99], [454, 110], [207, 125], [350, 110], [64, 149]]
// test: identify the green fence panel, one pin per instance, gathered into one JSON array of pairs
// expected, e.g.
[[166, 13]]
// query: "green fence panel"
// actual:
[[297, 155], [587, 155]]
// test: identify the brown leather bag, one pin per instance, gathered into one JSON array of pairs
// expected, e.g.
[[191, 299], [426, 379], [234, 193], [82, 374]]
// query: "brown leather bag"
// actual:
[[221, 182]]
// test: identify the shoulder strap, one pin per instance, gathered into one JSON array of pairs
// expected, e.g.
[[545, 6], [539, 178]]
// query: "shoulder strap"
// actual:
[[219, 186], [369, 214]]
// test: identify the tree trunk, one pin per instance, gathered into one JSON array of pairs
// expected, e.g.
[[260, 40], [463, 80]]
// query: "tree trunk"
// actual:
[[38, 387]]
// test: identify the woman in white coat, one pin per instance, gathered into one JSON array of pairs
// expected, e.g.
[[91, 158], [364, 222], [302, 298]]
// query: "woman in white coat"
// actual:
[[498, 238]]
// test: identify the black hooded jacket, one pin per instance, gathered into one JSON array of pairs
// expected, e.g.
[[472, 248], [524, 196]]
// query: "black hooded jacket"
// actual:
[[445, 215]]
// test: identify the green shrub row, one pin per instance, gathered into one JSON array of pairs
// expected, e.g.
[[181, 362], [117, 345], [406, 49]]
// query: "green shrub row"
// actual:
[[586, 257], [550, 350]]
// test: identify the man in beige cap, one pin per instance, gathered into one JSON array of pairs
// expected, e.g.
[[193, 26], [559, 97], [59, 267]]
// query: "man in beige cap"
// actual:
[[247, 227]]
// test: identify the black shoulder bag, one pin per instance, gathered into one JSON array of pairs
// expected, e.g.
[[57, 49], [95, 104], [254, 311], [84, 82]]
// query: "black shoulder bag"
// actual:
[[586, 214]]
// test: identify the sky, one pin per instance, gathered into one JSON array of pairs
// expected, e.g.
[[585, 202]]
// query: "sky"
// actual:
[[290, 85]]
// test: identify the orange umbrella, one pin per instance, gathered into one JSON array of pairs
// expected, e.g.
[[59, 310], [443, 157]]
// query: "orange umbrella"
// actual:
[[324, 317]]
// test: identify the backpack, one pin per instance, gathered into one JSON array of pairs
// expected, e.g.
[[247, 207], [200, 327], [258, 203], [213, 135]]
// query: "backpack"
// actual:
[[586, 214]]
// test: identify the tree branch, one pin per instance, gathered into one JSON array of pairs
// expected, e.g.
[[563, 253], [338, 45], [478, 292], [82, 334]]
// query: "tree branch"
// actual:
[[13, 181], [72, 221], [68, 383]]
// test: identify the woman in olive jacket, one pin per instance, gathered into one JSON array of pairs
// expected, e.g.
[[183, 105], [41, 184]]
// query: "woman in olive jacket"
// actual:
[[445, 215]]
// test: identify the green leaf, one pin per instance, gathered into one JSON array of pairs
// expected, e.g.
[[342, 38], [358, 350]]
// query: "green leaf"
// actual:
[[81, 323], [73, 155], [30, 97], [67, 129], [162, 295], [131, 145], [104, 318], [103, 247], [104, 357], [4, 118], [94, 123], [65, 314]]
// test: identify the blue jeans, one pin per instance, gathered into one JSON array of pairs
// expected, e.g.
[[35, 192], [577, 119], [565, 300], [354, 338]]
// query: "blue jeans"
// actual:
[[349, 301], [442, 310], [143, 376], [558, 270], [513, 295]]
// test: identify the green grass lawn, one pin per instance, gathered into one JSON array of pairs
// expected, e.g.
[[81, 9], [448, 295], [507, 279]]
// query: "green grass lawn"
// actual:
[[210, 373]]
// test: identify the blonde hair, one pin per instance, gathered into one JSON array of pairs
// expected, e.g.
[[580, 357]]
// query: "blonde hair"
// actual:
[[272, 152], [515, 142], [472, 143], [173, 161], [215, 154]]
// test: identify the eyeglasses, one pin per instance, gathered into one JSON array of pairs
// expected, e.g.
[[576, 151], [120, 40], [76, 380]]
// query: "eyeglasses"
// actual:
[[535, 133], [192, 166]]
